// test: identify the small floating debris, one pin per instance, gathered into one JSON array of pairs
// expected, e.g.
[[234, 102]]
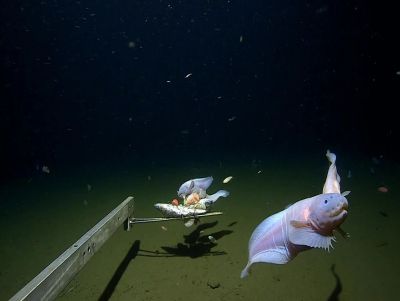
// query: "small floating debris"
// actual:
[[231, 118], [45, 169], [260, 171], [164, 228], [212, 239], [375, 160], [349, 174], [227, 179], [383, 189], [89, 187], [188, 75]]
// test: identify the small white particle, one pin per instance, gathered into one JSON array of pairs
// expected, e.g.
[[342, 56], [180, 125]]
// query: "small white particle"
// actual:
[[227, 179]]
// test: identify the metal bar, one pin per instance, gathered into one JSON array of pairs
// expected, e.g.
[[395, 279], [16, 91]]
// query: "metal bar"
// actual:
[[49, 283], [138, 220]]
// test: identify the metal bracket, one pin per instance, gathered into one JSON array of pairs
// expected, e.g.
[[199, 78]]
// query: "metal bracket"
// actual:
[[138, 220]]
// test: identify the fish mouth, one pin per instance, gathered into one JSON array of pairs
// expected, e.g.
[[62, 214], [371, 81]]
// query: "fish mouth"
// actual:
[[341, 210]]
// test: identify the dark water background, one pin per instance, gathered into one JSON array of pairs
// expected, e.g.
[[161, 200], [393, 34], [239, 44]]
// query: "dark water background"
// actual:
[[137, 96]]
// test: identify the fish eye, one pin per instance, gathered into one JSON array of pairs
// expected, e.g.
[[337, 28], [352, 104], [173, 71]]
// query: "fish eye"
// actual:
[[326, 201]]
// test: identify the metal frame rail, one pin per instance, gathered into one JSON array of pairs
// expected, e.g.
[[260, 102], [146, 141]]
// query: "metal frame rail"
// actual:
[[51, 281]]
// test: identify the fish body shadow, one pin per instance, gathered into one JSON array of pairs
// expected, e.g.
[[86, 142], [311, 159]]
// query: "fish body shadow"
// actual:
[[338, 288]]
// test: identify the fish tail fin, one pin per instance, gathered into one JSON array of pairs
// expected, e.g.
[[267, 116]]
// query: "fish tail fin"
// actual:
[[215, 196], [331, 157], [246, 271]]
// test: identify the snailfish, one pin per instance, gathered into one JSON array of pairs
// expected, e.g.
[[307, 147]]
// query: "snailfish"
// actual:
[[309, 223], [199, 185], [306, 224]]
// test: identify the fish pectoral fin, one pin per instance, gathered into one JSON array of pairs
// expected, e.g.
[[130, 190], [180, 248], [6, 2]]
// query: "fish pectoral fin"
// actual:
[[345, 193], [307, 236], [299, 224]]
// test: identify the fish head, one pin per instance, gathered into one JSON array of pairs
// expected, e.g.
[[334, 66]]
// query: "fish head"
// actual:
[[327, 212], [182, 192], [163, 208]]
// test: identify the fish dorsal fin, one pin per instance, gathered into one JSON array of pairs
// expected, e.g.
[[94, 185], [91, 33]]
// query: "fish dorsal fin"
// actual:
[[302, 234]]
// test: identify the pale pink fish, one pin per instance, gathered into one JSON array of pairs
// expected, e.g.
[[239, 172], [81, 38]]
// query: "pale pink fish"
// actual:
[[307, 224]]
